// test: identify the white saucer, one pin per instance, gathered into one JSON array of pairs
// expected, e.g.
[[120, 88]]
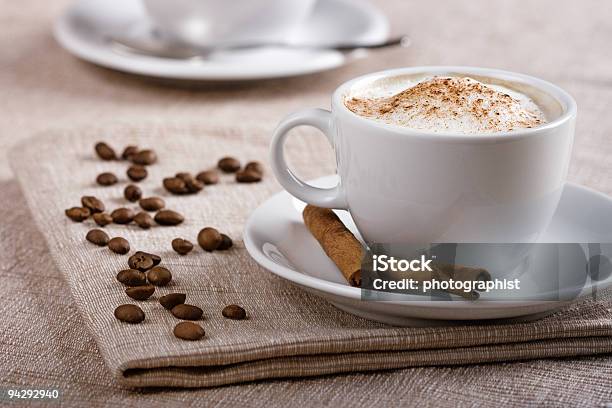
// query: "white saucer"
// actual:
[[85, 27], [275, 236]]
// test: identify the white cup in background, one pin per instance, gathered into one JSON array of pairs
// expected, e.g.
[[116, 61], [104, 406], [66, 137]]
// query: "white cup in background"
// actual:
[[227, 22]]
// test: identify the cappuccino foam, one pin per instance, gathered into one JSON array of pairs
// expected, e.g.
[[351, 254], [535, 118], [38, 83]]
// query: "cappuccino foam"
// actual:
[[448, 104]]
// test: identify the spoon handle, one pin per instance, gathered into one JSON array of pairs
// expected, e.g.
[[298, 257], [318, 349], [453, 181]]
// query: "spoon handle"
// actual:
[[162, 49], [401, 40]]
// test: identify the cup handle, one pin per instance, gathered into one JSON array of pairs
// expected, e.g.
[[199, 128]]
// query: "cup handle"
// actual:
[[321, 197]]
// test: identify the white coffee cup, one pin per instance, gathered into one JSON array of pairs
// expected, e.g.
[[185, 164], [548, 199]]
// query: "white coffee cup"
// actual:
[[409, 186], [219, 22]]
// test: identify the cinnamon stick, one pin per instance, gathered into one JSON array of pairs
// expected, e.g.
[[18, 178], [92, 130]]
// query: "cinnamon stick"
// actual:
[[337, 241], [347, 253]]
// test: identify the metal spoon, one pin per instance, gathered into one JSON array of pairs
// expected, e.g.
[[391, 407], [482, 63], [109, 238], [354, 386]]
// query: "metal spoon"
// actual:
[[162, 49]]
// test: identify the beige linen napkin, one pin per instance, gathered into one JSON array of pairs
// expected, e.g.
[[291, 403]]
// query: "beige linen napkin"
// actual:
[[289, 333]]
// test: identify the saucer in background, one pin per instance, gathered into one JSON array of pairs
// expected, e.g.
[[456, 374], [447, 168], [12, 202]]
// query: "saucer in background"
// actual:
[[84, 30]]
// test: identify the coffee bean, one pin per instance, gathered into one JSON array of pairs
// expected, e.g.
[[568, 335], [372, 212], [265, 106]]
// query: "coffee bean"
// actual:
[[187, 312], [182, 246], [152, 203], [209, 239], [248, 176], [229, 165], [183, 183], [119, 245], [208, 177], [78, 214], [129, 314], [137, 172], [104, 151], [234, 312], [94, 204], [106, 179], [172, 299], [189, 331], [168, 217], [122, 215], [193, 185], [143, 261], [175, 185], [155, 258], [226, 243], [159, 276], [140, 292], [132, 193], [144, 220], [140, 261], [254, 166], [97, 237], [102, 219], [132, 277], [184, 176], [128, 152], [144, 157]]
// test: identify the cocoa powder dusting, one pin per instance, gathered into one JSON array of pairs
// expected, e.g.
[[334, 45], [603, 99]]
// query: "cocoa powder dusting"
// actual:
[[451, 104]]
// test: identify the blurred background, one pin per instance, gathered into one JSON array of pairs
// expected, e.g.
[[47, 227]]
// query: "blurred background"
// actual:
[[565, 42]]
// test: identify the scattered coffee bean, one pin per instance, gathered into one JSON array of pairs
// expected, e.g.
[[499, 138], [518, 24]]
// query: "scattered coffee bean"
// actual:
[[102, 219], [155, 258], [140, 292], [140, 261], [226, 243], [254, 166], [189, 331], [194, 185], [181, 246], [122, 215], [106, 179], [78, 214], [95, 205], [234, 312], [248, 176], [144, 157], [159, 276], [144, 220], [119, 245], [129, 314], [168, 217], [152, 203], [128, 152], [132, 277], [208, 177], [187, 312], [209, 239], [183, 183], [184, 176], [189, 182], [132, 193], [143, 261], [172, 299], [97, 237], [175, 185], [105, 152], [137, 172], [229, 165]]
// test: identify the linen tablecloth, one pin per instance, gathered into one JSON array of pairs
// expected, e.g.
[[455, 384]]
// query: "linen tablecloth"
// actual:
[[289, 333]]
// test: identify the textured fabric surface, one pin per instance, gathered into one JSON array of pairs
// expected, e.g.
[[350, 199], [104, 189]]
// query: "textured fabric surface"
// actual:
[[44, 341], [289, 333]]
